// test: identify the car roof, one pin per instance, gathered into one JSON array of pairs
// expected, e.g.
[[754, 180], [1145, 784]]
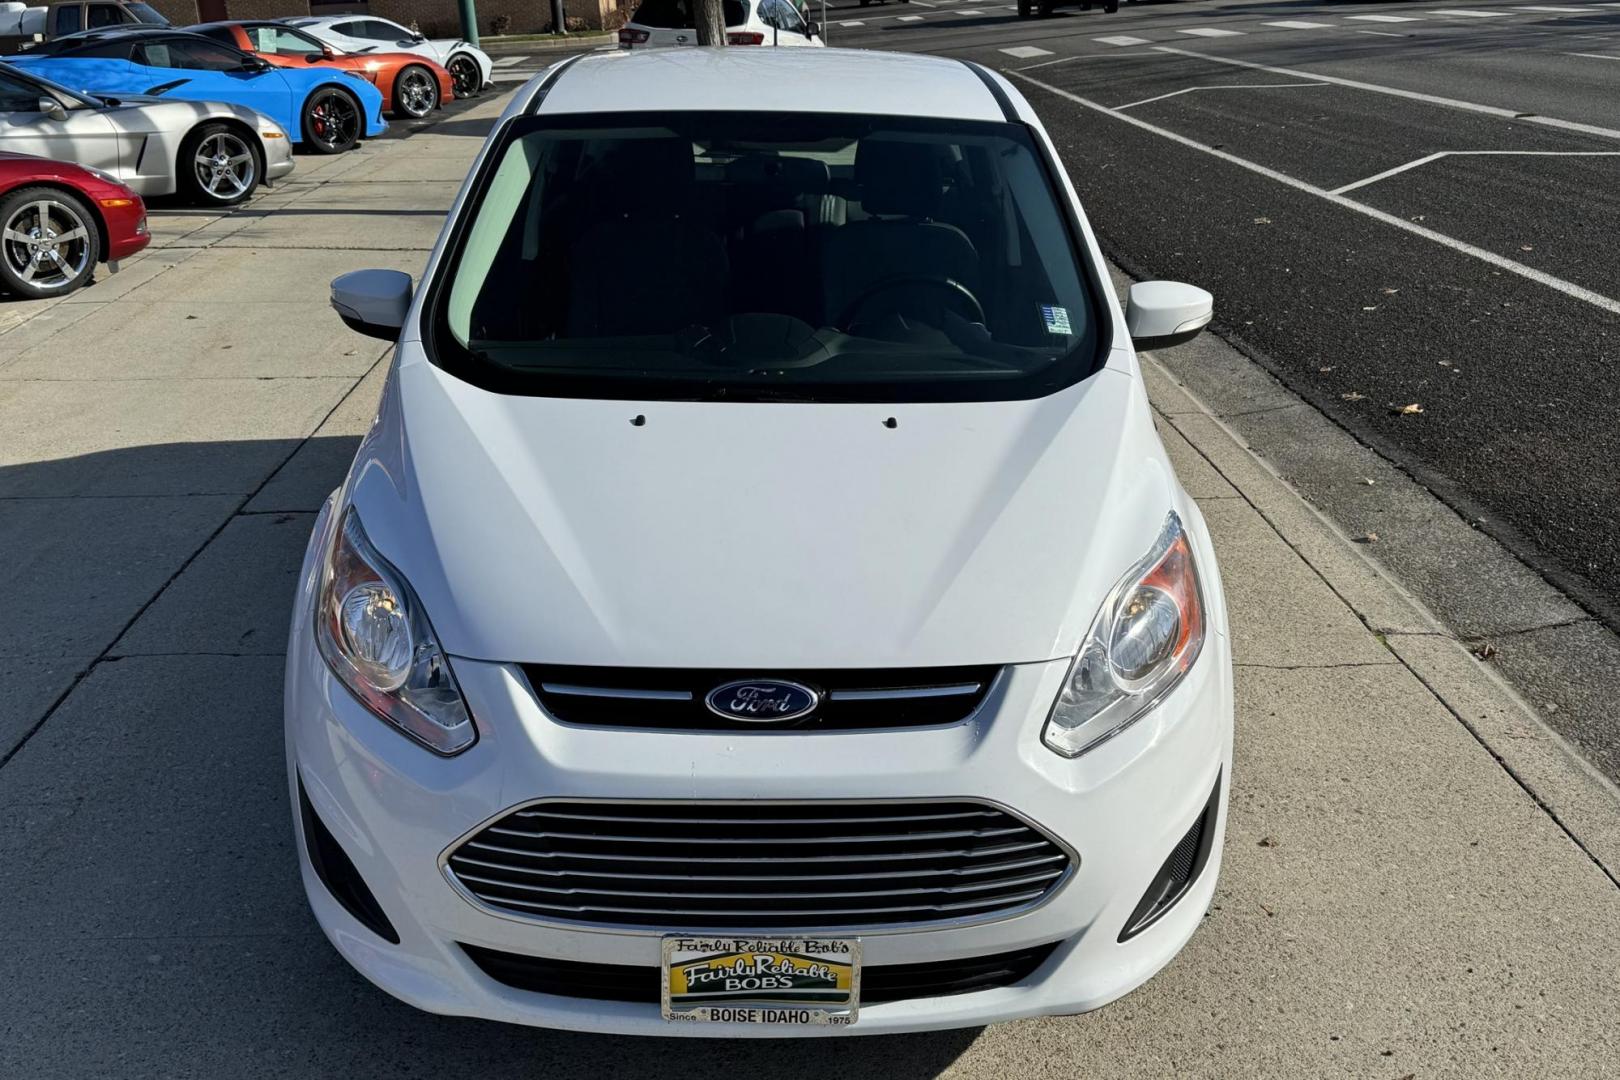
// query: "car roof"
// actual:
[[776, 80]]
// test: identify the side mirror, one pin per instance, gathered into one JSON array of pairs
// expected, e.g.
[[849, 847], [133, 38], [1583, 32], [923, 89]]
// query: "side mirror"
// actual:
[[812, 29], [327, 53], [373, 302], [52, 108], [1160, 314]]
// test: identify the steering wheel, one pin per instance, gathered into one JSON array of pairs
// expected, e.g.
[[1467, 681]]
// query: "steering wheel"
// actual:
[[955, 293]]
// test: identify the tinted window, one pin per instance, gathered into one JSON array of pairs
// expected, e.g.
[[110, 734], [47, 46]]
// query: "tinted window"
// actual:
[[106, 50], [222, 34], [378, 30], [190, 54], [69, 20], [737, 255], [146, 14], [105, 15], [677, 14], [17, 96], [782, 15]]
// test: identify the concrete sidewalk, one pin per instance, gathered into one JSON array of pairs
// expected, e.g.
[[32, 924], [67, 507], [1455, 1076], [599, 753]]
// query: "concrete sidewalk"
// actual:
[[1414, 884]]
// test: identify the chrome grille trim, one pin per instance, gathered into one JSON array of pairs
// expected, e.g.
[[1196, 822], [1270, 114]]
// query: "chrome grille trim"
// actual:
[[726, 866], [958, 690], [625, 694]]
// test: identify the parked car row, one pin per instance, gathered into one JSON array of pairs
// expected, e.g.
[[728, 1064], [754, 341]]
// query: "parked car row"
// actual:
[[99, 117]]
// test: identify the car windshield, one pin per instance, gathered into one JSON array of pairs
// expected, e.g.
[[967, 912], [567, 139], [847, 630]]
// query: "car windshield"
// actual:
[[677, 14], [147, 14], [766, 256]]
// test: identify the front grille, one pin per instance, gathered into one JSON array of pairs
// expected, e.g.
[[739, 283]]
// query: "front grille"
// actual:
[[674, 697], [760, 865], [884, 982]]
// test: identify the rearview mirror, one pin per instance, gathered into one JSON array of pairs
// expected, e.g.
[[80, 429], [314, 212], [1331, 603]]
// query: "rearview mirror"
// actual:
[[1160, 314], [52, 108], [373, 302]]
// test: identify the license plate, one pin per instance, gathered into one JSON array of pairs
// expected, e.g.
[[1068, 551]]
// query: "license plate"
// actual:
[[761, 980]]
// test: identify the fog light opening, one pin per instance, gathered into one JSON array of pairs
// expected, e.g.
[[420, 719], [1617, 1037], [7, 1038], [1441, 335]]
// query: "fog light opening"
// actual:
[[340, 876], [1180, 870]]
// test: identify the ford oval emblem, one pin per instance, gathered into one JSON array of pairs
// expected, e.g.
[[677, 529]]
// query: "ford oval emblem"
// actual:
[[762, 701]]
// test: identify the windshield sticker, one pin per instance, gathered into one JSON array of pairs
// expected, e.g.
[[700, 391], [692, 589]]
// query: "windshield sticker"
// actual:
[[1056, 319]]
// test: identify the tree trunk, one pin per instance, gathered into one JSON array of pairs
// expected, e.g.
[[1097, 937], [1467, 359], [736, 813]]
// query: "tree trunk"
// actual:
[[711, 22]]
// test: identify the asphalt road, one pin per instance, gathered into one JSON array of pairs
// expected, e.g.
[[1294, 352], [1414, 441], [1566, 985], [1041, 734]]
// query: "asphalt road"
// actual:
[[1208, 140]]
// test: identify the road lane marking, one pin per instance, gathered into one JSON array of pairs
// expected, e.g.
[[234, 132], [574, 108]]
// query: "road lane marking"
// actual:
[[1593, 55], [965, 11], [1466, 14], [1232, 86], [1380, 33], [909, 18], [1026, 52], [1384, 18], [1210, 31], [852, 22], [1397, 170], [1410, 95], [1088, 56], [1122, 39], [509, 61], [1299, 24], [1556, 10], [1529, 273], [513, 76]]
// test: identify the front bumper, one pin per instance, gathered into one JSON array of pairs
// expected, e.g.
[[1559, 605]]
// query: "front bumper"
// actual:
[[395, 809], [278, 157]]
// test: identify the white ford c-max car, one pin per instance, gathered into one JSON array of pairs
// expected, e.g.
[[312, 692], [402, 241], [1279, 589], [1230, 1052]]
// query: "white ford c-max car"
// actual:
[[762, 605]]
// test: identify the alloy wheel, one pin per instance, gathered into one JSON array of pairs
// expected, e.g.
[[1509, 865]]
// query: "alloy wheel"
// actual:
[[465, 76], [416, 94], [225, 166], [334, 121], [47, 244]]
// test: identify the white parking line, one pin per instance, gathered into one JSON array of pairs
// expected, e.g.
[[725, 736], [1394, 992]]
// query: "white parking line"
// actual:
[[1379, 33], [1209, 31], [1299, 24], [1026, 52], [1529, 273], [1237, 86], [1466, 14], [1122, 40], [965, 11], [513, 76], [1384, 18], [909, 18], [852, 22], [1410, 95], [1397, 170], [1555, 10], [1593, 55], [508, 61]]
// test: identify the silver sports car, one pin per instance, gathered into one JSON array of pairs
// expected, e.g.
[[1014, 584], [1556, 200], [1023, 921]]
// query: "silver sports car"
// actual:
[[209, 151]]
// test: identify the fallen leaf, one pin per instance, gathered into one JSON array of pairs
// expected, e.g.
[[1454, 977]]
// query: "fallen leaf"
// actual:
[[1369, 481], [1262, 221], [1353, 396], [1367, 538], [1324, 370], [1372, 308], [1408, 410], [1485, 650], [191, 316], [1445, 363], [1387, 291], [1526, 247], [1266, 841]]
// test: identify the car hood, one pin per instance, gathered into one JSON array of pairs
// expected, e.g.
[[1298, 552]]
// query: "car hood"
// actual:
[[760, 534]]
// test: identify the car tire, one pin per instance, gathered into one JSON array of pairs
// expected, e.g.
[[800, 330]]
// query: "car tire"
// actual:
[[416, 93], [332, 121], [466, 78], [1023, 9], [1111, 7], [37, 273], [219, 165], [1046, 7]]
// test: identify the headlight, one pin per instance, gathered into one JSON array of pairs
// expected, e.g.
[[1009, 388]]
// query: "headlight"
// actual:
[[374, 635], [1143, 641]]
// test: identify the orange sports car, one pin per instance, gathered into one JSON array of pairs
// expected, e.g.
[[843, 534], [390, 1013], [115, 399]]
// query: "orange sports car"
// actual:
[[412, 86]]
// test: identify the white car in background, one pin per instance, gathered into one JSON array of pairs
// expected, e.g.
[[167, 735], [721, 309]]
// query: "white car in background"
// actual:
[[762, 605], [663, 23], [469, 66]]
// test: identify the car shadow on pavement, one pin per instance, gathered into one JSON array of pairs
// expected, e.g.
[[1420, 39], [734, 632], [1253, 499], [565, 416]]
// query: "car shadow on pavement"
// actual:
[[148, 874]]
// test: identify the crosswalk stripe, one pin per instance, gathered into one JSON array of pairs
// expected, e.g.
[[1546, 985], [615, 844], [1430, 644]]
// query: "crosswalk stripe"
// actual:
[[1296, 24], [509, 61], [1210, 31], [1384, 18], [1121, 39], [1471, 14], [1026, 52]]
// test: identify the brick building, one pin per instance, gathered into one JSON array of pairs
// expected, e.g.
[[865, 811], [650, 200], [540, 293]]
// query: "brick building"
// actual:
[[435, 18]]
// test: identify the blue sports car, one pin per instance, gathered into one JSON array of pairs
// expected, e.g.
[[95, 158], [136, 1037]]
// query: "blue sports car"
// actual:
[[322, 109]]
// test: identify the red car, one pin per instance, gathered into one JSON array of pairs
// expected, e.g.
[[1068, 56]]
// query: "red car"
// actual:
[[58, 220], [412, 86]]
